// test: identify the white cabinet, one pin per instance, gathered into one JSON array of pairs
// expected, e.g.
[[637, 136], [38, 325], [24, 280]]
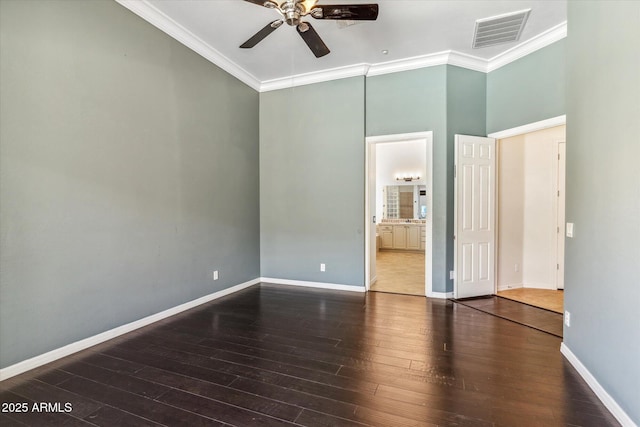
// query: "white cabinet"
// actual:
[[413, 237], [402, 236], [386, 236], [399, 237], [423, 237]]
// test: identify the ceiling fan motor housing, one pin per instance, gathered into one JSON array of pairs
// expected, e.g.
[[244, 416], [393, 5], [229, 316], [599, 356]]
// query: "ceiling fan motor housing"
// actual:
[[292, 10]]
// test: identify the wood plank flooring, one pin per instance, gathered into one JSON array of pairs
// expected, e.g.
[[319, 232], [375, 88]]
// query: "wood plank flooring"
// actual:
[[524, 314], [544, 298], [276, 356]]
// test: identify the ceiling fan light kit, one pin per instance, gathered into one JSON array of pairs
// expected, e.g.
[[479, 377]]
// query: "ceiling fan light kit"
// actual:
[[292, 11]]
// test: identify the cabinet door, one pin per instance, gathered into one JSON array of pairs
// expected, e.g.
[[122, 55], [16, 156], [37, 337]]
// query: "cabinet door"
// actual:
[[399, 237], [413, 237], [387, 238]]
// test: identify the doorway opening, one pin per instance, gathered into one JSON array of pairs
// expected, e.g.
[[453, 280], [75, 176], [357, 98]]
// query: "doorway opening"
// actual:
[[398, 213], [530, 218]]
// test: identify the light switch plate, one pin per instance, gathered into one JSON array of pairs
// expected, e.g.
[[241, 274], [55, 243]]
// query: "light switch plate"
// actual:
[[569, 229]]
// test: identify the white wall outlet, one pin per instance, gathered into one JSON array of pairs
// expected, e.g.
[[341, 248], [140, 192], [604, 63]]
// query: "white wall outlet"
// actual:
[[567, 318], [215, 275], [323, 267], [452, 275], [516, 268], [570, 229]]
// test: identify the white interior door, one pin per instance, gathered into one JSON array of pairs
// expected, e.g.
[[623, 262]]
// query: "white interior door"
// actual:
[[475, 188], [562, 150]]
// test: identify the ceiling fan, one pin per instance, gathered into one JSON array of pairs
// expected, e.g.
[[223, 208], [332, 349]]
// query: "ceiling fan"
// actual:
[[293, 11]]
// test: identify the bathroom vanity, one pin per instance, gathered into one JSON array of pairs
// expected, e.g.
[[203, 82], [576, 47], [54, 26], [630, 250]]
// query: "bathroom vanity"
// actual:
[[402, 236]]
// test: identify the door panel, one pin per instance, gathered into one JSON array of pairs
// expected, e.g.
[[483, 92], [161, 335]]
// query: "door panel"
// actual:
[[467, 263], [474, 216], [467, 198]]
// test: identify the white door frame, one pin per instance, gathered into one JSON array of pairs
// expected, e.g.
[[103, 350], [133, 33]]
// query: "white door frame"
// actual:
[[508, 133], [560, 172], [368, 215]]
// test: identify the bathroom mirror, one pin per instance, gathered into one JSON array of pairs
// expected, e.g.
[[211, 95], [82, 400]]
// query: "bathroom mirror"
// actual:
[[404, 202]]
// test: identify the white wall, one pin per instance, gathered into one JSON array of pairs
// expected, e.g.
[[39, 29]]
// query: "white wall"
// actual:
[[398, 158], [510, 212], [527, 209], [540, 207]]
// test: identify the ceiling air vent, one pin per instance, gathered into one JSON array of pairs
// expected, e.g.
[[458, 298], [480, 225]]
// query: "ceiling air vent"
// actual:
[[499, 29]]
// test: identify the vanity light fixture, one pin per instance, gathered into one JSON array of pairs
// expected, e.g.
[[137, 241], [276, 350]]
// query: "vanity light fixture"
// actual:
[[407, 178]]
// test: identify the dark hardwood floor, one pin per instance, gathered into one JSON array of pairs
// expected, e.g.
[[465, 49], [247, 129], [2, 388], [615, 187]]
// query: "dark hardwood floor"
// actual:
[[277, 355], [534, 317]]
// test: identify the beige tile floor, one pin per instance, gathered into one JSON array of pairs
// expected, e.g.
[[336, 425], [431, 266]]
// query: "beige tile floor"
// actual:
[[544, 298], [400, 272]]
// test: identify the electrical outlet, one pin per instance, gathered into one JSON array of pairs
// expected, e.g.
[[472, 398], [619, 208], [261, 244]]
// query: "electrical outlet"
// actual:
[[567, 318], [452, 275], [323, 267], [215, 275], [516, 268]]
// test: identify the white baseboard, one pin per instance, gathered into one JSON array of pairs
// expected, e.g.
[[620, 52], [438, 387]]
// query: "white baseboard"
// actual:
[[50, 356], [547, 286], [321, 285], [440, 295], [510, 286], [602, 394], [373, 281]]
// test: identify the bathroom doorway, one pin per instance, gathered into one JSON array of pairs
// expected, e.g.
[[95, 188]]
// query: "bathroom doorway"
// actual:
[[398, 209]]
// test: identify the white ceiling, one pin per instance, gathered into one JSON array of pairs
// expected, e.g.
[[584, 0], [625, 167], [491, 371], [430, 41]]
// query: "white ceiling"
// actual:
[[406, 28]]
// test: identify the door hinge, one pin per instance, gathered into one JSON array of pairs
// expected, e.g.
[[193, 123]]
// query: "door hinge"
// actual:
[[455, 171], [558, 156], [558, 193], [558, 229], [557, 266], [374, 219]]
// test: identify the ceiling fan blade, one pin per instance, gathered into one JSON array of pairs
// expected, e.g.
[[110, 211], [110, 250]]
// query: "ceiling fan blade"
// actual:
[[354, 12], [312, 39], [257, 37]]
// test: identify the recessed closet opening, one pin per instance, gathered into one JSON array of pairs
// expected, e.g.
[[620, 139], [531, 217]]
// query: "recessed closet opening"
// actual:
[[530, 211]]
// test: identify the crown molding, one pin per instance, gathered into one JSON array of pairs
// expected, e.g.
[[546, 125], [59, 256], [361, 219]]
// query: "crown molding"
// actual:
[[314, 77], [158, 19], [146, 11], [531, 127], [407, 64], [447, 57], [470, 62], [527, 47]]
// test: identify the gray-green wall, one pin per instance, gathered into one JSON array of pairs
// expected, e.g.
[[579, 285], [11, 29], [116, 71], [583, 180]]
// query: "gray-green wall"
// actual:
[[312, 182], [128, 172], [466, 115], [603, 196], [415, 101], [312, 173], [443, 99], [527, 90]]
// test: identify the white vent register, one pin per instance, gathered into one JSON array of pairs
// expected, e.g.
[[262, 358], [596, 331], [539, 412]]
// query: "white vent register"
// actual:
[[499, 29]]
